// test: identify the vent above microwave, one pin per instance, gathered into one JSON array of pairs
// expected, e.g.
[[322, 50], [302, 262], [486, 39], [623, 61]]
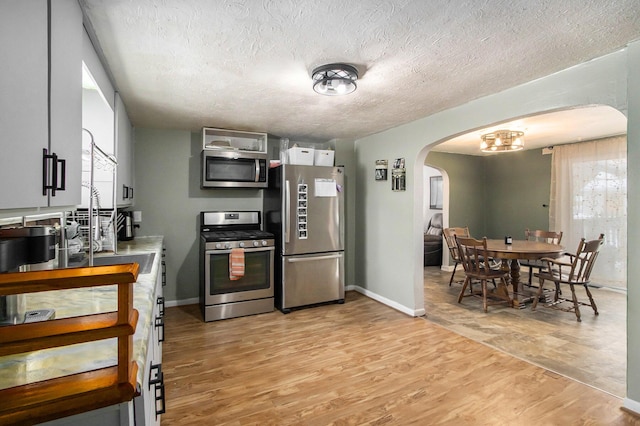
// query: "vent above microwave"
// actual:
[[233, 140]]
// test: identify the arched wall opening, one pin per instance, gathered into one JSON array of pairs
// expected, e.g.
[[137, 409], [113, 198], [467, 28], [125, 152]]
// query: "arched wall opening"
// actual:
[[488, 229]]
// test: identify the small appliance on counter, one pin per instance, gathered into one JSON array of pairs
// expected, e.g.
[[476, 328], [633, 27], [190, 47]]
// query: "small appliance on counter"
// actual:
[[125, 226], [25, 248]]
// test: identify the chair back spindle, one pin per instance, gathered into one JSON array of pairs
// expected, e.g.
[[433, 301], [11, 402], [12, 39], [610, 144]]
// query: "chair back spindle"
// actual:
[[474, 259], [575, 272], [550, 237], [450, 237], [585, 258]]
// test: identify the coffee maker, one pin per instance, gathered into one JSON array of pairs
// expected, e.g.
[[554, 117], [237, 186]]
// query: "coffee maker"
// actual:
[[125, 226], [24, 248]]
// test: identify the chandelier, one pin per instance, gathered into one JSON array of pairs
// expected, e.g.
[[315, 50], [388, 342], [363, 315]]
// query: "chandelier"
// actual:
[[334, 79], [502, 141]]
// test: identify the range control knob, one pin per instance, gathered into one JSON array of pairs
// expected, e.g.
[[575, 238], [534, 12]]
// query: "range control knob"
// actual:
[[227, 246], [264, 242], [218, 245], [256, 244], [241, 244]]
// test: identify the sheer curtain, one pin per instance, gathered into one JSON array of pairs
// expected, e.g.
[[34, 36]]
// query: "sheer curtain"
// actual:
[[589, 197]]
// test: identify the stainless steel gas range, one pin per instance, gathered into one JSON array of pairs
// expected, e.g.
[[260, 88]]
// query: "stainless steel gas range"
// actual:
[[225, 292]]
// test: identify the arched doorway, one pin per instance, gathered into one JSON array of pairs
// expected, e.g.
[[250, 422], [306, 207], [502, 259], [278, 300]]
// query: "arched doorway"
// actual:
[[562, 330]]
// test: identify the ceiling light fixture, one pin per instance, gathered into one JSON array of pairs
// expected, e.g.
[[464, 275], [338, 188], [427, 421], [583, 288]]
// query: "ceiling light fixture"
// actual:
[[334, 79], [502, 141]]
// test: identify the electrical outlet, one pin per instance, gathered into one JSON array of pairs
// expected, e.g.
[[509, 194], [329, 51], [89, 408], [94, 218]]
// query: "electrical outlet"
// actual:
[[137, 216]]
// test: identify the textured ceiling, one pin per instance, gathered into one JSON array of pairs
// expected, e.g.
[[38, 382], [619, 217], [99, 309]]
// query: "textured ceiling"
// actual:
[[246, 65]]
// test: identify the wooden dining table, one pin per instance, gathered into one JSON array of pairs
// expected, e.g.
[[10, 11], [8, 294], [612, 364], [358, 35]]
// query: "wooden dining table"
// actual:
[[509, 254]]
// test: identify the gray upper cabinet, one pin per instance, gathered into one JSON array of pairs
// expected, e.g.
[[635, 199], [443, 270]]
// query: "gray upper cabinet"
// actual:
[[40, 109], [124, 153]]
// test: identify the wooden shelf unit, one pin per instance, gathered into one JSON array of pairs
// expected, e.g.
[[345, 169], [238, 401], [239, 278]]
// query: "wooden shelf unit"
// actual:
[[68, 395]]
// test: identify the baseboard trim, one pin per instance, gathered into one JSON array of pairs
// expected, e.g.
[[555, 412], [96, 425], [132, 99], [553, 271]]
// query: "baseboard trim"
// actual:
[[390, 303], [632, 406], [172, 303], [395, 305]]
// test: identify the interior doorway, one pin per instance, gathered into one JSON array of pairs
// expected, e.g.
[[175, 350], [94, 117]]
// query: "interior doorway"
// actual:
[[603, 341]]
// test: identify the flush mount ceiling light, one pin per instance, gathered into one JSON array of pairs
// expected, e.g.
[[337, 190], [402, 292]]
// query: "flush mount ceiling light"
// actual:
[[502, 141], [334, 79]]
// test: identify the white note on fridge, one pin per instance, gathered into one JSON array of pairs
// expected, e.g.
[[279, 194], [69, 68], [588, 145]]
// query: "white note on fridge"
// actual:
[[325, 188]]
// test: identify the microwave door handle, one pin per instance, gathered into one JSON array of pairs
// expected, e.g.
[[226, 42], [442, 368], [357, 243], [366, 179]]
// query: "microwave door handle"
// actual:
[[287, 211], [257, 179]]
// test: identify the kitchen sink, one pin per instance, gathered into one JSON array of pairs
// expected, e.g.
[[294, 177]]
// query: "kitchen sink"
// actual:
[[144, 260]]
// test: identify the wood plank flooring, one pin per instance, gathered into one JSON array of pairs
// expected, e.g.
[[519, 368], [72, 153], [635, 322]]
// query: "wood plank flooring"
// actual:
[[361, 363], [593, 351]]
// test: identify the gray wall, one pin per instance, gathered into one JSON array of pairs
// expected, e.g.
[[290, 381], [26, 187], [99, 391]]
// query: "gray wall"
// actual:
[[516, 187], [497, 195], [345, 156], [167, 176], [466, 189]]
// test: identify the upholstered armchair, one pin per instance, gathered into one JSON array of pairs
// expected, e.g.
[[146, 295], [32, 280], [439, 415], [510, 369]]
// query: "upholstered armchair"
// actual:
[[433, 241]]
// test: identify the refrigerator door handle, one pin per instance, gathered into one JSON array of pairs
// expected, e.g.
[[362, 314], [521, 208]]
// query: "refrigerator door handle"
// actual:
[[287, 210], [312, 258]]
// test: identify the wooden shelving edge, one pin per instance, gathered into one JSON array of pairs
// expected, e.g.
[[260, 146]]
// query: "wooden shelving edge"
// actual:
[[65, 396], [61, 279], [61, 332], [68, 395]]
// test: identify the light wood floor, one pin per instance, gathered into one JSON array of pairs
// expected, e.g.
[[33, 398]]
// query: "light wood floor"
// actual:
[[361, 363], [593, 351]]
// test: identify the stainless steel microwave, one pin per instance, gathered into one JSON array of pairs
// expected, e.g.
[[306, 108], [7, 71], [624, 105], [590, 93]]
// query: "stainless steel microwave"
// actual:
[[234, 169]]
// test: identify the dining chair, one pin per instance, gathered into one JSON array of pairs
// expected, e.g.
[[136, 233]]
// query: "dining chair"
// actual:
[[542, 236], [575, 272], [472, 256], [450, 238]]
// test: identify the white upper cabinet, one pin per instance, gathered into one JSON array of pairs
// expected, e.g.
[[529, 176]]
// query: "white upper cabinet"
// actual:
[[124, 152], [40, 109], [66, 96], [24, 102]]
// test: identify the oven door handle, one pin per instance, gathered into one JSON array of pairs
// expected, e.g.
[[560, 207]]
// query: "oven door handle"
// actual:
[[248, 250], [287, 211], [313, 258]]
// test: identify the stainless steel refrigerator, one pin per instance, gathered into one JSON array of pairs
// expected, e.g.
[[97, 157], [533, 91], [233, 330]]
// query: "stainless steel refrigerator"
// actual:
[[304, 208]]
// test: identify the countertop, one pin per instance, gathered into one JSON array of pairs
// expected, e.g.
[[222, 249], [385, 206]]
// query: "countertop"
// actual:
[[21, 369]]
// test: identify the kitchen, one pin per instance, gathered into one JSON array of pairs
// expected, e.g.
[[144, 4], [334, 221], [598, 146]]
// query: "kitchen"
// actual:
[[369, 265]]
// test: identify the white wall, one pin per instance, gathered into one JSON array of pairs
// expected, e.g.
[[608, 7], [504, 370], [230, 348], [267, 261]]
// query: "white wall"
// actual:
[[633, 230]]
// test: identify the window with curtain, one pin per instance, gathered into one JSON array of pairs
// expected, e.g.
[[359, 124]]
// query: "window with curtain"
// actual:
[[589, 197]]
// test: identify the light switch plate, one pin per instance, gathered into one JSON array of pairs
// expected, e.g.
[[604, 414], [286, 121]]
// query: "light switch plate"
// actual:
[[137, 216]]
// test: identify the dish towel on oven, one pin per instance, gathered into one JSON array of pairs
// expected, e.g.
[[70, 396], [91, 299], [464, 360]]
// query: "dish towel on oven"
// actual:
[[236, 264]]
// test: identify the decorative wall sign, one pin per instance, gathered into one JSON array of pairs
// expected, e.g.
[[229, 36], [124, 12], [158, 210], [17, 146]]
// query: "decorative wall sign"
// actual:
[[381, 169], [398, 175]]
